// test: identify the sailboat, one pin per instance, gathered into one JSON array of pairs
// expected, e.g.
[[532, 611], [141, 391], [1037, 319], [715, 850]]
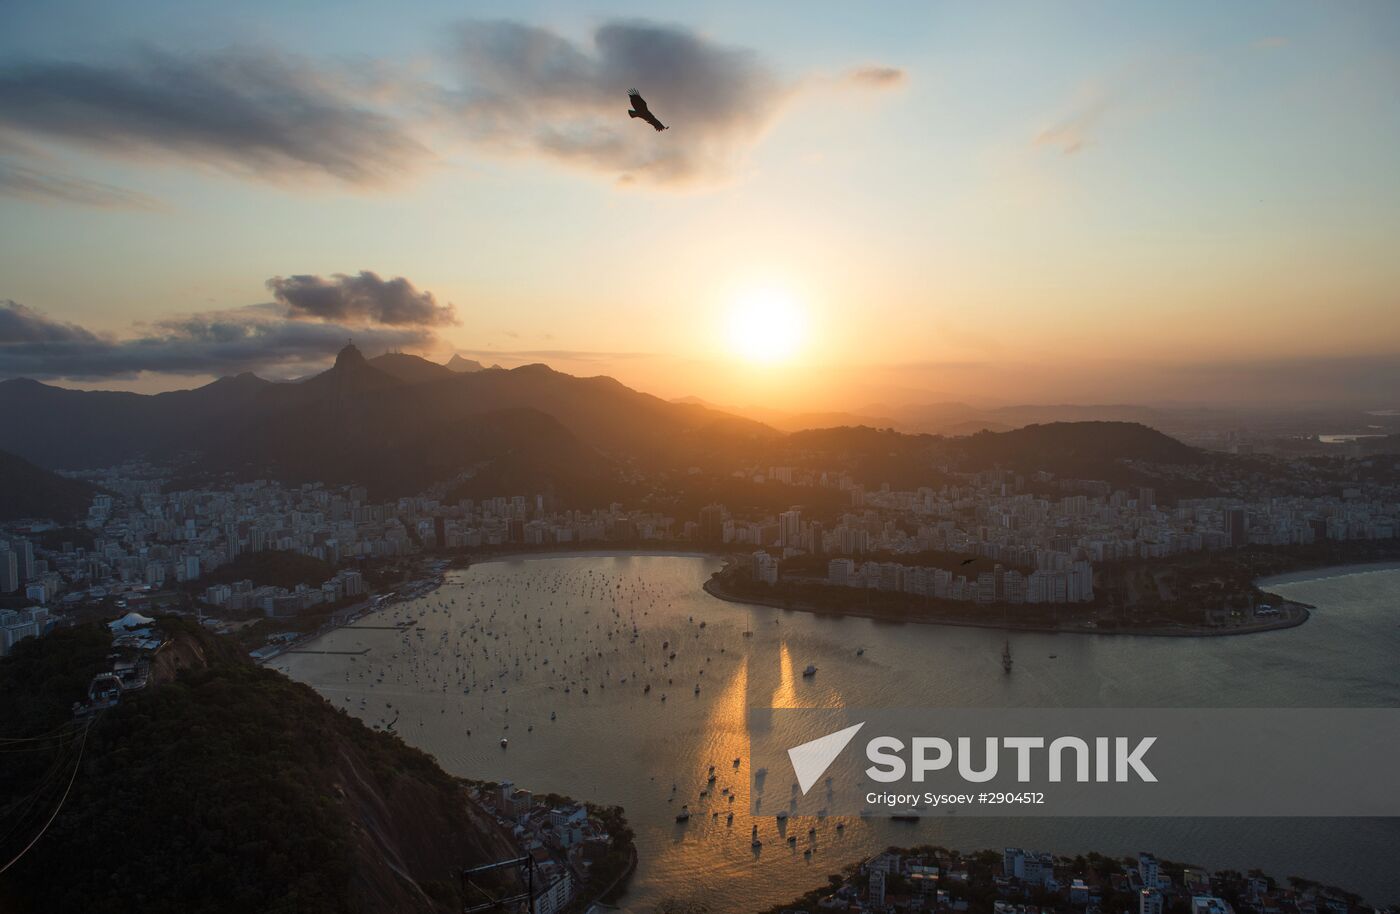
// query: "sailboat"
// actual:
[[748, 632]]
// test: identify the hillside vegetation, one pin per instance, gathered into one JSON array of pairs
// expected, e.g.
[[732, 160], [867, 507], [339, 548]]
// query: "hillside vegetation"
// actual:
[[225, 787], [27, 491]]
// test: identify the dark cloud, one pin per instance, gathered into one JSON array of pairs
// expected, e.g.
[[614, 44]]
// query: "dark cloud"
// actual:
[[877, 77], [362, 297], [518, 89], [530, 89], [27, 183], [245, 339], [257, 114], [22, 324]]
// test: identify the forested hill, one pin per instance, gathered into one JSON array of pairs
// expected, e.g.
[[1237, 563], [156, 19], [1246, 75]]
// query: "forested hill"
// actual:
[[225, 787], [27, 490]]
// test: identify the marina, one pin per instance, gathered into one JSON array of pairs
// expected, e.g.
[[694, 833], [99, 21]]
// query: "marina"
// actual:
[[569, 661]]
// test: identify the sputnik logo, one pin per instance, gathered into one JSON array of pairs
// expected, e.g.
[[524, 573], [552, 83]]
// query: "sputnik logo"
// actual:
[[811, 759]]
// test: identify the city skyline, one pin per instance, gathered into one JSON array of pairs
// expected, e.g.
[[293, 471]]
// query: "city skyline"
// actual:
[[1190, 206]]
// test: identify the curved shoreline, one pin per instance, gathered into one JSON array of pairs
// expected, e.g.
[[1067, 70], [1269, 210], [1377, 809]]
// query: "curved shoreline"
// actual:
[[639, 552], [1301, 614], [1328, 571], [1302, 611]]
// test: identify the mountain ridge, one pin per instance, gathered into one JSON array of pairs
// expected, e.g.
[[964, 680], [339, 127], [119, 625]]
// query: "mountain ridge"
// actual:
[[400, 424]]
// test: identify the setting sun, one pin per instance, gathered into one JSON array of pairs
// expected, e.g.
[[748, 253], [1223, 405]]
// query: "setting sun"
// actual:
[[766, 325]]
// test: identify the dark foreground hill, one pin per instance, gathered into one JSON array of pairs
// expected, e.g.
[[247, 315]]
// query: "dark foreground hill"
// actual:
[[27, 490], [224, 787]]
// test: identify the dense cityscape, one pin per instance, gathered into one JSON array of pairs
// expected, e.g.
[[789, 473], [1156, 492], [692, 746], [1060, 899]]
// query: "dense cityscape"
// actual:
[[139, 539], [1018, 881]]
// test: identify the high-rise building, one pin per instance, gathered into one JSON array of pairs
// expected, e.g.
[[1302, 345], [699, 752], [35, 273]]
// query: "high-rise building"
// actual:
[[24, 550], [790, 529], [1147, 870], [9, 571], [1236, 527], [1319, 528], [877, 887], [839, 571], [712, 524]]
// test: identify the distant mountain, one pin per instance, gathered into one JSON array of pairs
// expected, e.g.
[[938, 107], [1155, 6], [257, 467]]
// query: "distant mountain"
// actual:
[[956, 418], [871, 455], [69, 429], [394, 423], [459, 364], [399, 425], [1080, 450], [928, 418], [787, 421], [32, 491], [410, 368], [1085, 450], [972, 427], [1041, 414]]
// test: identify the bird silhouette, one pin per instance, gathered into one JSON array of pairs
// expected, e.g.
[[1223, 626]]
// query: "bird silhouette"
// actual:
[[640, 109]]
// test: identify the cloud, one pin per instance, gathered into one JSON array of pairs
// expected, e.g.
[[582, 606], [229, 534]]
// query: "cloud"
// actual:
[[257, 114], [295, 335], [362, 297], [1076, 129], [21, 324], [218, 343], [876, 77], [528, 89], [33, 184], [1147, 87], [513, 89]]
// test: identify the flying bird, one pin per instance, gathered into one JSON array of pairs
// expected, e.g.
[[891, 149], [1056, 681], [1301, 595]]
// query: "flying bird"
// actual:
[[969, 561], [640, 109]]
